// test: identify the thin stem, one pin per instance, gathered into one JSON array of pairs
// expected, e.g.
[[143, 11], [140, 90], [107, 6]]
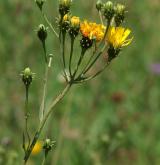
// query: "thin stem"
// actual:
[[44, 160], [42, 108], [71, 55], [93, 76], [100, 16], [50, 25], [90, 59], [45, 52], [93, 62], [79, 61], [48, 113], [63, 49], [27, 115]]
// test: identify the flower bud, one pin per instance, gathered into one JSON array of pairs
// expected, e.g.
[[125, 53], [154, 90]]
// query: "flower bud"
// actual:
[[42, 32], [65, 23], [99, 5], [74, 26], [48, 144], [27, 76], [64, 7], [40, 3], [119, 14], [108, 10]]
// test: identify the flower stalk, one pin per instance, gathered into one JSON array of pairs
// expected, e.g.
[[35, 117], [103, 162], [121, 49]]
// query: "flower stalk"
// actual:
[[49, 110]]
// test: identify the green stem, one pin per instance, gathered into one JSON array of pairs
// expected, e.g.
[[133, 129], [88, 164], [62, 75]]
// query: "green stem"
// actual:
[[93, 76], [42, 108], [71, 55], [45, 52], [93, 62], [100, 16], [27, 114], [44, 159], [63, 49], [48, 112], [79, 61]]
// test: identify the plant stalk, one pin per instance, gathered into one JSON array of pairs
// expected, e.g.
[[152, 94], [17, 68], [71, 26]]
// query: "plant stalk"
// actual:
[[48, 112]]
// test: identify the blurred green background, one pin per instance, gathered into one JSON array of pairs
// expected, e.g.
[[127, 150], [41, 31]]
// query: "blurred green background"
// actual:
[[111, 120]]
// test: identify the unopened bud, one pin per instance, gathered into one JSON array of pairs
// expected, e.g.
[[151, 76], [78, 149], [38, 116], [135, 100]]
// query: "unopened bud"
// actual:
[[99, 5], [108, 10], [42, 32], [64, 7], [48, 144], [40, 3], [65, 23], [27, 76], [119, 14], [74, 26]]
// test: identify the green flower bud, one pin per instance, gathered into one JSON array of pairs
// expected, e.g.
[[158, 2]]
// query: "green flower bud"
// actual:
[[119, 14], [108, 10], [64, 7], [48, 144], [27, 76], [40, 3], [42, 32], [99, 5]]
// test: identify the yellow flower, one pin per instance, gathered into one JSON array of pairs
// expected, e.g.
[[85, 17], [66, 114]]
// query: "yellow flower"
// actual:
[[92, 30], [75, 21], [117, 37], [37, 148]]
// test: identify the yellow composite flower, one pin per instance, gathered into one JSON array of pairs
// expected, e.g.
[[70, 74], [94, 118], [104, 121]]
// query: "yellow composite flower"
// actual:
[[117, 37], [92, 30], [37, 148]]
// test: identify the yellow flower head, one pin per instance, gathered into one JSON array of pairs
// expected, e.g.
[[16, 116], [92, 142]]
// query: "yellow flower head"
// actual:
[[37, 148], [117, 37], [92, 30], [75, 21]]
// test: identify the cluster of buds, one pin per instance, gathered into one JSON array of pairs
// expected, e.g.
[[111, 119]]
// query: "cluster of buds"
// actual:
[[42, 32], [64, 7], [110, 10], [48, 144], [27, 76]]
